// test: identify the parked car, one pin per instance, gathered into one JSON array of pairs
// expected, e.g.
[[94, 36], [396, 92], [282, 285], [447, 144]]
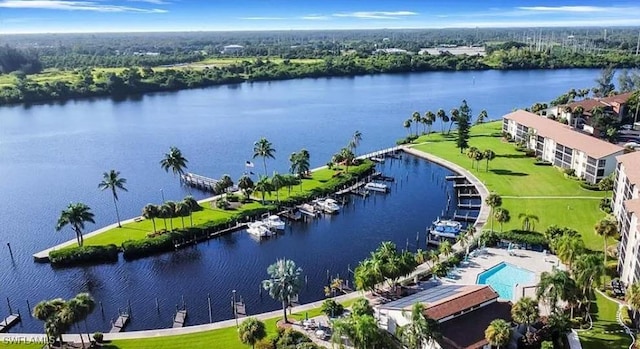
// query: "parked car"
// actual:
[[632, 145], [627, 127]]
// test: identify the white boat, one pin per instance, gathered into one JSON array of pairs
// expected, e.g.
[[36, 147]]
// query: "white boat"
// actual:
[[307, 209], [329, 205], [258, 229], [443, 228], [377, 159], [381, 187], [274, 222]]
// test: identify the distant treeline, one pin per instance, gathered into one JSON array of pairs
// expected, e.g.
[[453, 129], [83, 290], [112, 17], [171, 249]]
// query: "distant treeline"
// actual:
[[87, 83], [12, 59]]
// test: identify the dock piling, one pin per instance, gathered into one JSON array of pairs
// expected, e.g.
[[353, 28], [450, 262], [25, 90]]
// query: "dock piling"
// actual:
[[29, 308], [157, 305], [9, 305], [101, 308], [209, 301], [10, 251]]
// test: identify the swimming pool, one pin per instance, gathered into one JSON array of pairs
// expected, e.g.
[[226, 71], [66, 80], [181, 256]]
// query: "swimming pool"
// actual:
[[503, 277]]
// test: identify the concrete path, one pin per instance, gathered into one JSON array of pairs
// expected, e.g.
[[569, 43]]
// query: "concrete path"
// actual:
[[551, 197], [574, 340]]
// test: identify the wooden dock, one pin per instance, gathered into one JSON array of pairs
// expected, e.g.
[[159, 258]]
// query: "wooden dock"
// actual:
[[468, 195], [180, 318], [464, 218], [379, 176], [463, 185], [381, 153], [120, 323], [469, 206], [455, 178], [9, 322], [200, 182], [351, 188]]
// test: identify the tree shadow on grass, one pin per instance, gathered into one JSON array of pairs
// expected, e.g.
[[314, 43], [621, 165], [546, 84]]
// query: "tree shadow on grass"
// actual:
[[511, 156], [502, 172]]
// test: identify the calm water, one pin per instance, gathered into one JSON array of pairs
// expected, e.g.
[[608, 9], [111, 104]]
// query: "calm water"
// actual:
[[51, 155]]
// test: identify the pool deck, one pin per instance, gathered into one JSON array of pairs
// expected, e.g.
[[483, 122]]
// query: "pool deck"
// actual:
[[535, 262]]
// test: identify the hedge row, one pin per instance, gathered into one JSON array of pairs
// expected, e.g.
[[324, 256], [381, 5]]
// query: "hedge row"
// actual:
[[521, 237], [589, 186], [84, 255]]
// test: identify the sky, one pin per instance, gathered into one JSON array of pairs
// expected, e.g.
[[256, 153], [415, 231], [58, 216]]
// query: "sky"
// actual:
[[47, 16]]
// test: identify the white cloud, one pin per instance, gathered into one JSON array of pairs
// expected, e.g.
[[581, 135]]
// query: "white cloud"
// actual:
[[315, 17], [376, 14], [73, 6], [155, 2], [262, 18], [571, 9]]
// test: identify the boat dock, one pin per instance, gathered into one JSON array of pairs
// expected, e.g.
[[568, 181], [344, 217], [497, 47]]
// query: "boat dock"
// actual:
[[352, 189], [9, 322], [379, 176], [291, 214], [120, 323], [381, 154], [464, 218], [200, 182], [463, 185], [469, 195], [469, 206], [180, 318], [455, 178]]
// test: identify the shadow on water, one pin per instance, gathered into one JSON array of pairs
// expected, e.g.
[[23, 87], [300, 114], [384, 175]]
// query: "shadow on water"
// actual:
[[502, 172]]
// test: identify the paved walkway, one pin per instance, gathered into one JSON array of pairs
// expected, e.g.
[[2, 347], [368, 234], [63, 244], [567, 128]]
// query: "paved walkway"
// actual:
[[551, 197], [574, 340]]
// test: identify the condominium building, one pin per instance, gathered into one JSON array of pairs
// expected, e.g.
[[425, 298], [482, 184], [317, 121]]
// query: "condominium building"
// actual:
[[626, 208], [591, 158]]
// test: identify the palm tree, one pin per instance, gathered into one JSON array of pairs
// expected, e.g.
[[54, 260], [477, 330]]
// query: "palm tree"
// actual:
[[525, 311], [46, 311], [445, 248], [348, 157], [478, 156], [284, 282], [429, 119], [182, 210], [442, 115], [407, 124], [76, 215], [291, 180], [303, 163], [588, 272], [554, 286], [81, 306], [471, 154], [455, 113], [632, 297], [493, 200], [169, 211], [421, 329], [163, 212], [251, 331], [277, 182], [264, 149], [568, 248], [174, 161], [355, 140], [192, 206], [498, 333], [482, 116], [293, 160], [111, 180], [528, 221], [150, 211], [606, 228], [502, 216], [416, 118], [225, 182], [264, 186], [245, 183], [489, 155]]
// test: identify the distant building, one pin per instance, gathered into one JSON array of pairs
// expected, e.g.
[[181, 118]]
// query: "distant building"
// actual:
[[146, 53], [591, 158], [462, 311], [391, 51], [614, 105], [232, 49], [626, 209]]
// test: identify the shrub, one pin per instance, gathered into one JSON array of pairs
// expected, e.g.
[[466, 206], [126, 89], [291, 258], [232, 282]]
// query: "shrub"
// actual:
[[542, 163], [265, 343], [222, 204], [605, 205], [530, 152], [610, 293], [522, 237], [546, 345], [332, 308], [569, 172], [589, 186], [98, 337], [233, 198], [84, 255], [406, 140]]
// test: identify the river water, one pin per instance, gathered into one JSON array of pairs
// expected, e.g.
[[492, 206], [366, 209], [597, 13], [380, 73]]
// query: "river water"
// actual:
[[54, 154]]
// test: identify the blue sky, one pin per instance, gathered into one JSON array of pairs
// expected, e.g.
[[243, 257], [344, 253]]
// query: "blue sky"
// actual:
[[28, 16]]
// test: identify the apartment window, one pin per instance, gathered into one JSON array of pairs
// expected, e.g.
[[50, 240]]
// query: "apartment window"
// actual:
[[600, 172], [602, 163], [591, 161]]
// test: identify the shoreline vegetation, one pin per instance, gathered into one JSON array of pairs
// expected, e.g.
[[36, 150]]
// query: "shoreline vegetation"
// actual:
[[68, 83]]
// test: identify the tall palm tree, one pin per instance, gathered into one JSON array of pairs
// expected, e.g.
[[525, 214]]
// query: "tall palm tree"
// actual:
[[284, 282], [245, 183], [192, 206], [169, 211], [416, 118], [252, 331], [528, 221], [588, 272], [150, 211], [568, 248], [81, 306], [501, 216], [76, 215], [407, 124], [555, 286], [355, 141], [498, 333], [489, 155], [225, 183], [525, 311], [174, 161], [455, 113], [493, 200], [471, 154], [111, 180], [606, 228], [482, 117], [264, 149], [442, 115], [46, 311], [182, 210], [263, 186], [164, 213], [293, 161], [348, 157], [445, 248], [420, 330], [302, 163], [277, 182], [429, 119]]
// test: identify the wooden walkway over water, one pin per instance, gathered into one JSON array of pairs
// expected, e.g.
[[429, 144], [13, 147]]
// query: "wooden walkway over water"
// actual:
[[180, 318], [120, 323], [9, 322], [200, 182]]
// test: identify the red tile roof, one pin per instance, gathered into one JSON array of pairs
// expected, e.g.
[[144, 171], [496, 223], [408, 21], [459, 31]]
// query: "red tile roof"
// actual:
[[631, 164], [633, 205], [565, 135], [589, 104], [465, 298]]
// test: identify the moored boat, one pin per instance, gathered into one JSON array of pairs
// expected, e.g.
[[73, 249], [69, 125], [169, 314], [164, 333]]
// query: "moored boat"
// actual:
[[308, 209], [444, 228], [258, 229], [328, 205], [380, 187], [274, 222]]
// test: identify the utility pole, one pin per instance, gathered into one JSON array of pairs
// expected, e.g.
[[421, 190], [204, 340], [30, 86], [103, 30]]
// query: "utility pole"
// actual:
[[638, 45]]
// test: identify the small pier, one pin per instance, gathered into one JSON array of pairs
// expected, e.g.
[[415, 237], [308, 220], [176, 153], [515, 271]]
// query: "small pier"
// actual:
[[468, 195], [381, 154], [469, 206], [9, 322], [291, 214], [455, 178], [351, 188], [464, 218], [180, 318], [463, 185], [379, 176], [120, 323], [200, 182], [377, 159]]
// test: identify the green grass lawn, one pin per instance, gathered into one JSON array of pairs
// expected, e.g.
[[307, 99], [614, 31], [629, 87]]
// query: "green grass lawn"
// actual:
[[525, 187], [604, 320]]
